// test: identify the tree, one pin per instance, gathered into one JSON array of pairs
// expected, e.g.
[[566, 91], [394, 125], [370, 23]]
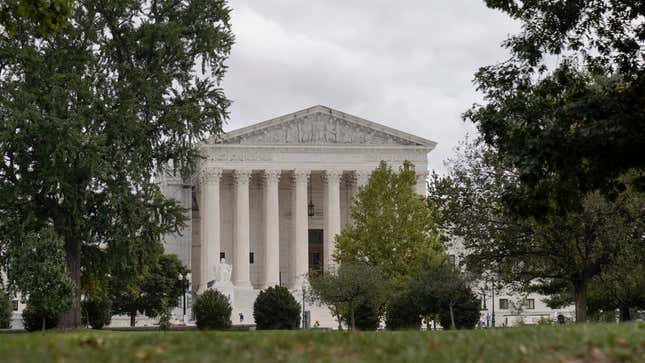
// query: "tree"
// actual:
[[276, 308], [91, 112], [151, 290], [403, 311], [576, 127], [6, 310], [38, 270], [348, 287], [367, 316], [392, 227], [161, 288], [558, 252], [42, 16]]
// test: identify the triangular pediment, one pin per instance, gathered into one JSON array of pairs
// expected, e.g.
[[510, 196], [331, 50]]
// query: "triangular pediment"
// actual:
[[321, 125]]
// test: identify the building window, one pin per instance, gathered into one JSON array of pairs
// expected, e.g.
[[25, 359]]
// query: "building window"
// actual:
[[15, 305], [251, 257], [452, 259], [503, 304], [529, 304], [222, 255]]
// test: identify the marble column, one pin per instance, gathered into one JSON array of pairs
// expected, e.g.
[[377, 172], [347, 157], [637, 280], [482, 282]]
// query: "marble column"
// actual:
[[241, 249], [299, 251], [332, 215], [421, 185], [271, 244], [209, 211]]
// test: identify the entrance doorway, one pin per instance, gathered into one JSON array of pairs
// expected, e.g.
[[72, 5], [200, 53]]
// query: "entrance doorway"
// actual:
[[315, 249]]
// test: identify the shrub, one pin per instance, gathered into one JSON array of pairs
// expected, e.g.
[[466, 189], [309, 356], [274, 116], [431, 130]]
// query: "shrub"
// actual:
[[6, 310], [33, 319], [212, 310], [164, 320], [366, 317], [276, 308], [402, 313], [96, 313]]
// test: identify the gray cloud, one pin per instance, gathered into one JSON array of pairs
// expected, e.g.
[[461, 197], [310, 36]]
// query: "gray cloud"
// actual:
[[405, 64]]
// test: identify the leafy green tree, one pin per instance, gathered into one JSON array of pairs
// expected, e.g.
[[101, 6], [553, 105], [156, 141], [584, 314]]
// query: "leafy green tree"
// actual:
[[276, 308], [403, 311], [151, 290], [96, 313], [6, 310], [38, 270], [392, 227], [123, 92], [42, 16], [367, 316], [558, 252], [348, 287], [161, 288], [575, 127]]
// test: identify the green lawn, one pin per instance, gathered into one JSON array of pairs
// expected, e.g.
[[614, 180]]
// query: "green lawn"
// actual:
[[572, 343]]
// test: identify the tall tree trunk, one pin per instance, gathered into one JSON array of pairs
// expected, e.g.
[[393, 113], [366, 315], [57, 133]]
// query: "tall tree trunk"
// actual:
[[580, 292], [133, 318], [452, 317], [72, 318], [625, 314]]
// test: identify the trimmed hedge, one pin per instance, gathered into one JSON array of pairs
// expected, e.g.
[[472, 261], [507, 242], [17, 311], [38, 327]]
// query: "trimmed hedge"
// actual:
[[276, 308], [212, 310]]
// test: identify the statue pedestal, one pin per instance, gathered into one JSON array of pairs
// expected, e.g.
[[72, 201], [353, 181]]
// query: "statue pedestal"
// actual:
[[226, 288]]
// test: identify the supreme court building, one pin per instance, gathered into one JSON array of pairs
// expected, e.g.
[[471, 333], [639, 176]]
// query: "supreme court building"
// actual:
[[267, 200]]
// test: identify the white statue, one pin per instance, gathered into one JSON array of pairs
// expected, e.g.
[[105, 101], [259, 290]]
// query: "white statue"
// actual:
[[223, 271]]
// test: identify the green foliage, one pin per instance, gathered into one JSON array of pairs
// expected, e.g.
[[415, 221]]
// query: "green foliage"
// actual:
[[366, 315], [348, 287], [164, 320], [561, 252], [96, 313], [276, 308], [43, 17], [403, 312], [576, 127], [37, 269], [212, 310], [151, 288], [161, 288], [33, 319], [6, 310], [88, 117], [465, 309], [392, 227]]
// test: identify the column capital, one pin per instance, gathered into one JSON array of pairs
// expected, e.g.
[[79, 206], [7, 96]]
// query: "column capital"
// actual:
[[272, 175], [210, 175], [362, 176], [242, 176], [332, 176], [301, 175]]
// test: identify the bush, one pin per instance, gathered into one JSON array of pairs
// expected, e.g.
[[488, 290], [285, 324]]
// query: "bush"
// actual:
[[402, 313], [366, 317], [96, 313], [32, 319], [212, 310], [276, 308], [164, 320], [6, 310]]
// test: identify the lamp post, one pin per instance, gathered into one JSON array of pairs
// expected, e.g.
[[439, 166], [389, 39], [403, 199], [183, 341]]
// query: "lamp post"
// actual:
[[184, 280]]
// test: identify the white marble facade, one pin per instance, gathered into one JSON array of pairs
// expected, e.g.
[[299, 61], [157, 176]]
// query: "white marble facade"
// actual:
[[251, 194]]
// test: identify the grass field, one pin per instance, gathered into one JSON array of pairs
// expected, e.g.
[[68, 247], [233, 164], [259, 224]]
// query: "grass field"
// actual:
[[569, 344]]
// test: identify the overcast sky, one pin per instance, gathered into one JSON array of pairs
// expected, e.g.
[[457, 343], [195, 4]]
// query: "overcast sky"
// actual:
[[405, 64]]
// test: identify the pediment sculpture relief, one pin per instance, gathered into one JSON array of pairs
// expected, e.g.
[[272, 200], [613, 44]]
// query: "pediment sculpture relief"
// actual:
[[318, 129]]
